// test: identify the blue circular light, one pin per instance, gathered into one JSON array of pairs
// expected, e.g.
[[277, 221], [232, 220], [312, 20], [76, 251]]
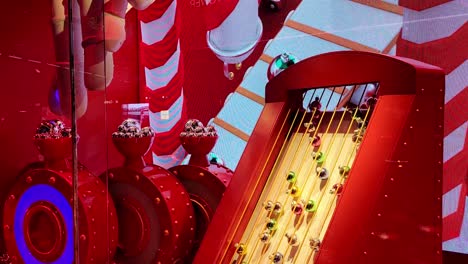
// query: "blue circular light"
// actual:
[[46, 193]]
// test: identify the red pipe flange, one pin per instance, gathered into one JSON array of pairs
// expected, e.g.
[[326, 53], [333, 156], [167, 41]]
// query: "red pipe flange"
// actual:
[[38, 218], [206, 186], [154, 210]]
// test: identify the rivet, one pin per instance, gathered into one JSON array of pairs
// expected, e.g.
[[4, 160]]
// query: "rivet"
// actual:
[[438, 198], [440, 108], [6, 227], [438, 234], [92, 259], [201, 174], [365, 252], [438, 252], [137, 177], [157, 200], [92, 219], [188, 204], [89, 206], [422, 89], [82, 237], [391, 179], [177, 235], [411, 127], [400, 166], [386, 196], [175, 222], [168, 197], [12, 197], [52, 180], [183, 193], [173, 209], [190, 217], [166, 232], [176, 183], [111, 175], [84, 195], [191, 229], [28, 179], [14, 258], [379, 215], [94, 233], [161, 187], [175, 172], [372, 233], [417, 109], [404, 143]]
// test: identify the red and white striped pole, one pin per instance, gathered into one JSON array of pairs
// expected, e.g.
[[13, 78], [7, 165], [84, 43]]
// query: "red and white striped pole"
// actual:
[[161, 58], [435, 31]]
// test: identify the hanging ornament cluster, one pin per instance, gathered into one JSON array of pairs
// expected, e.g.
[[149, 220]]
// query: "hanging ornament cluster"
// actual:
[[131, 128], [52, 129], [195, 128]]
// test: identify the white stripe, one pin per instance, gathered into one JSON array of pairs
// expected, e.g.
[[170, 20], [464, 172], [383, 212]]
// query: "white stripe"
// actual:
[[456, 81], [171, 160], [453, 143], [175, 112], [161, 76], [157, 29], [434, 23], [450, 201], [459, 244], [369, 26]]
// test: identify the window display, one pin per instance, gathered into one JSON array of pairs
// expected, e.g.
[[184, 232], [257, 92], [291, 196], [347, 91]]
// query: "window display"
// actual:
[[137, 131]]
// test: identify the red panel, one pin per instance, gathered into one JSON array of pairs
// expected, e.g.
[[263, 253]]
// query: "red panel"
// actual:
[[447, 53], [453, 222], [400, 130], [456, 169], [455, 112], [154, 11], [419, 5]]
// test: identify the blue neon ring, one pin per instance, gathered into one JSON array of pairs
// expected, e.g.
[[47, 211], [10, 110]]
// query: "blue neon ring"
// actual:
[[47, 193]]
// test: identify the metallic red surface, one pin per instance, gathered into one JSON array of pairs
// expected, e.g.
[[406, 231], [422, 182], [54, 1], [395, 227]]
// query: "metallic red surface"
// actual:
[[206, 186], [401, 150], [154, 210], [44, 223]]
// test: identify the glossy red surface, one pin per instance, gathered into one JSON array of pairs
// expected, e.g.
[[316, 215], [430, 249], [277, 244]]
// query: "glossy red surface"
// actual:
[[44, 223], [154, 210], [198, 148], [402, 149], [206, 186]]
